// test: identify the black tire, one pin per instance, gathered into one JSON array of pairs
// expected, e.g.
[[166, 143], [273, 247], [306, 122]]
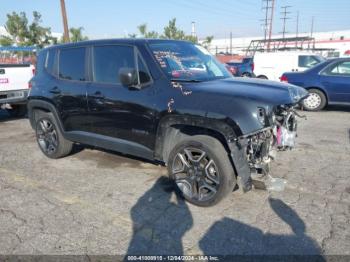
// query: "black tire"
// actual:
[[17, 110], [262, 77], [196, 178], [316, 100], [246, 75], [49, 136]]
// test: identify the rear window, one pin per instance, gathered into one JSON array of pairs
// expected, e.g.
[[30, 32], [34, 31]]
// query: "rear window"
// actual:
[[72, 64]]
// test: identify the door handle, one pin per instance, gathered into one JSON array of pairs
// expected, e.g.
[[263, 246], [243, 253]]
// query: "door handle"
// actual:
[[55, 90]]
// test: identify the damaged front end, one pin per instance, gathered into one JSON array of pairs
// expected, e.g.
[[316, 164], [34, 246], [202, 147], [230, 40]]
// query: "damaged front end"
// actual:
[[260, 148]]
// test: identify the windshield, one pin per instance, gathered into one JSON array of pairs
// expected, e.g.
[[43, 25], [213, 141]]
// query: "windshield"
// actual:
[[183, 61]]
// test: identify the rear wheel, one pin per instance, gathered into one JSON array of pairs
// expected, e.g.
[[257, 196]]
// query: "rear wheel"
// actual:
[[17, 110], [49, 137], [315, 101], [262, 77], [201, 169]]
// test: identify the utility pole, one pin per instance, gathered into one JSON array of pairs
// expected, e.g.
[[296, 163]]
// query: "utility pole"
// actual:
[[267, 8], [65, 23], [297, 30], [285, 18], [231, 43], [270, 27], [193, 31], [312, 26]]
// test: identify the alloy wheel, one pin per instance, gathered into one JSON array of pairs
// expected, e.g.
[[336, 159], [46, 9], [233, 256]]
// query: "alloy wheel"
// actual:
[[196, 174], [47, 136]]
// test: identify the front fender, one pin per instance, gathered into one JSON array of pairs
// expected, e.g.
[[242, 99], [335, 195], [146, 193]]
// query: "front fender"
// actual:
[[224, 126]]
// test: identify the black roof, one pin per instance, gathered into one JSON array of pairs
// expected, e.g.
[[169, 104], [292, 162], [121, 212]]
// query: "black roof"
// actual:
[[131, 41]]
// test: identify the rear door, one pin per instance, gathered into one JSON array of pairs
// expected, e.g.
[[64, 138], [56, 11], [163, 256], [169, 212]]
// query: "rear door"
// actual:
[[69, 88], [116, 111], [336, 79]]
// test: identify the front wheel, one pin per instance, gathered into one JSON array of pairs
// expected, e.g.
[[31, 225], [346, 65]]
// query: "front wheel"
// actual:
[[201, 169], [315, 101]]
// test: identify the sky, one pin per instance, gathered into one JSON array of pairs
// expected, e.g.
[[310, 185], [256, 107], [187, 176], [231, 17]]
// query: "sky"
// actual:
[[116, 18]]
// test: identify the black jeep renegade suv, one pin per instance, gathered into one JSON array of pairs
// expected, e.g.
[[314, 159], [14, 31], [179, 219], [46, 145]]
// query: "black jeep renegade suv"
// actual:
[[163, 100]]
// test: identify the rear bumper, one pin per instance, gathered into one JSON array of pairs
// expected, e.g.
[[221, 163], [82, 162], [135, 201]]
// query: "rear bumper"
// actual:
[[14, 96]]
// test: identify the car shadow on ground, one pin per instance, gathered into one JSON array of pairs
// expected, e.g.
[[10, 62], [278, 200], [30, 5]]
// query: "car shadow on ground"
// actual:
[[161, 218], [6, 117], [338, 108]]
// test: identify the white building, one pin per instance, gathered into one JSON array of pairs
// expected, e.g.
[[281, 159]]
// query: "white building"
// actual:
[[338, 40]]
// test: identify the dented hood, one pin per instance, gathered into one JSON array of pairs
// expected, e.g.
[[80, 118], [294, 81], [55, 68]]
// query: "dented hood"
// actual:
[[270, 92]]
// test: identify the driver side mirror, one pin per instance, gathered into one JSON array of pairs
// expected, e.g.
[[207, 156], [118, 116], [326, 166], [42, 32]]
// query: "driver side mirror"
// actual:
[[128, 77]]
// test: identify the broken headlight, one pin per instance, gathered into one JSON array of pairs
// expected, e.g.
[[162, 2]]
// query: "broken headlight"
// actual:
[[296, 93]]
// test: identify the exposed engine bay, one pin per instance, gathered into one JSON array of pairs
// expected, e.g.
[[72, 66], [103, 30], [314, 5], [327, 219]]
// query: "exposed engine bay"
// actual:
[[281, 135]]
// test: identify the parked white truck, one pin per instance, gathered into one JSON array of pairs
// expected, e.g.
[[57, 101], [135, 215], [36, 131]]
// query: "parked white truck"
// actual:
[[14, 87]]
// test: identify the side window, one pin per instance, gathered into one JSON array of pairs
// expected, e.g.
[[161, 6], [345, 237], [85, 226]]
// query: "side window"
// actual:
[[72, 64], [307, 61], [143, 71], [50, 61], [108, 60], [340, 69]]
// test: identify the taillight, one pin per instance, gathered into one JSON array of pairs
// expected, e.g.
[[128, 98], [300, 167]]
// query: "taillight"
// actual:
[[30, 85], [33, 71], [283, 78], [252, 65]]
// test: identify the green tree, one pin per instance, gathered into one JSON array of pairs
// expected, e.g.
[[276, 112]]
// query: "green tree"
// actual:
[[144, 32], [172, 32], [17, 26], [23, 33], [37, 34], [5, 41], [76, 34], [207, 41]]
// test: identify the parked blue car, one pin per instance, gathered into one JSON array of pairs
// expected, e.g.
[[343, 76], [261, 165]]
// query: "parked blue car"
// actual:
[[244, 68], [328, 83]]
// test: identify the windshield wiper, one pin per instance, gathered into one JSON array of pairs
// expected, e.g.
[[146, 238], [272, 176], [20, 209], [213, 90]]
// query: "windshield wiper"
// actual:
[[185, 80]]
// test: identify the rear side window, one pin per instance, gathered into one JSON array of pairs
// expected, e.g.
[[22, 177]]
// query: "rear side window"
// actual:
[[72, 64], [341, 69], [50, 61], [108, 60]]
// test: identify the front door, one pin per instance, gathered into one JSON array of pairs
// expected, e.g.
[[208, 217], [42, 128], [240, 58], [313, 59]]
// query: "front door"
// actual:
[[124, 114], [336, 80]]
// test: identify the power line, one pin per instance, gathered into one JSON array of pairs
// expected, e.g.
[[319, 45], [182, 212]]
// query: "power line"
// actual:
[[285, 18]]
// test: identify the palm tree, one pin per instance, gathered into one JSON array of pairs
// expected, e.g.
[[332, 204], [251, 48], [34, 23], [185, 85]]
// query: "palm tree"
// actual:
[[76, 34], [207, 42]]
